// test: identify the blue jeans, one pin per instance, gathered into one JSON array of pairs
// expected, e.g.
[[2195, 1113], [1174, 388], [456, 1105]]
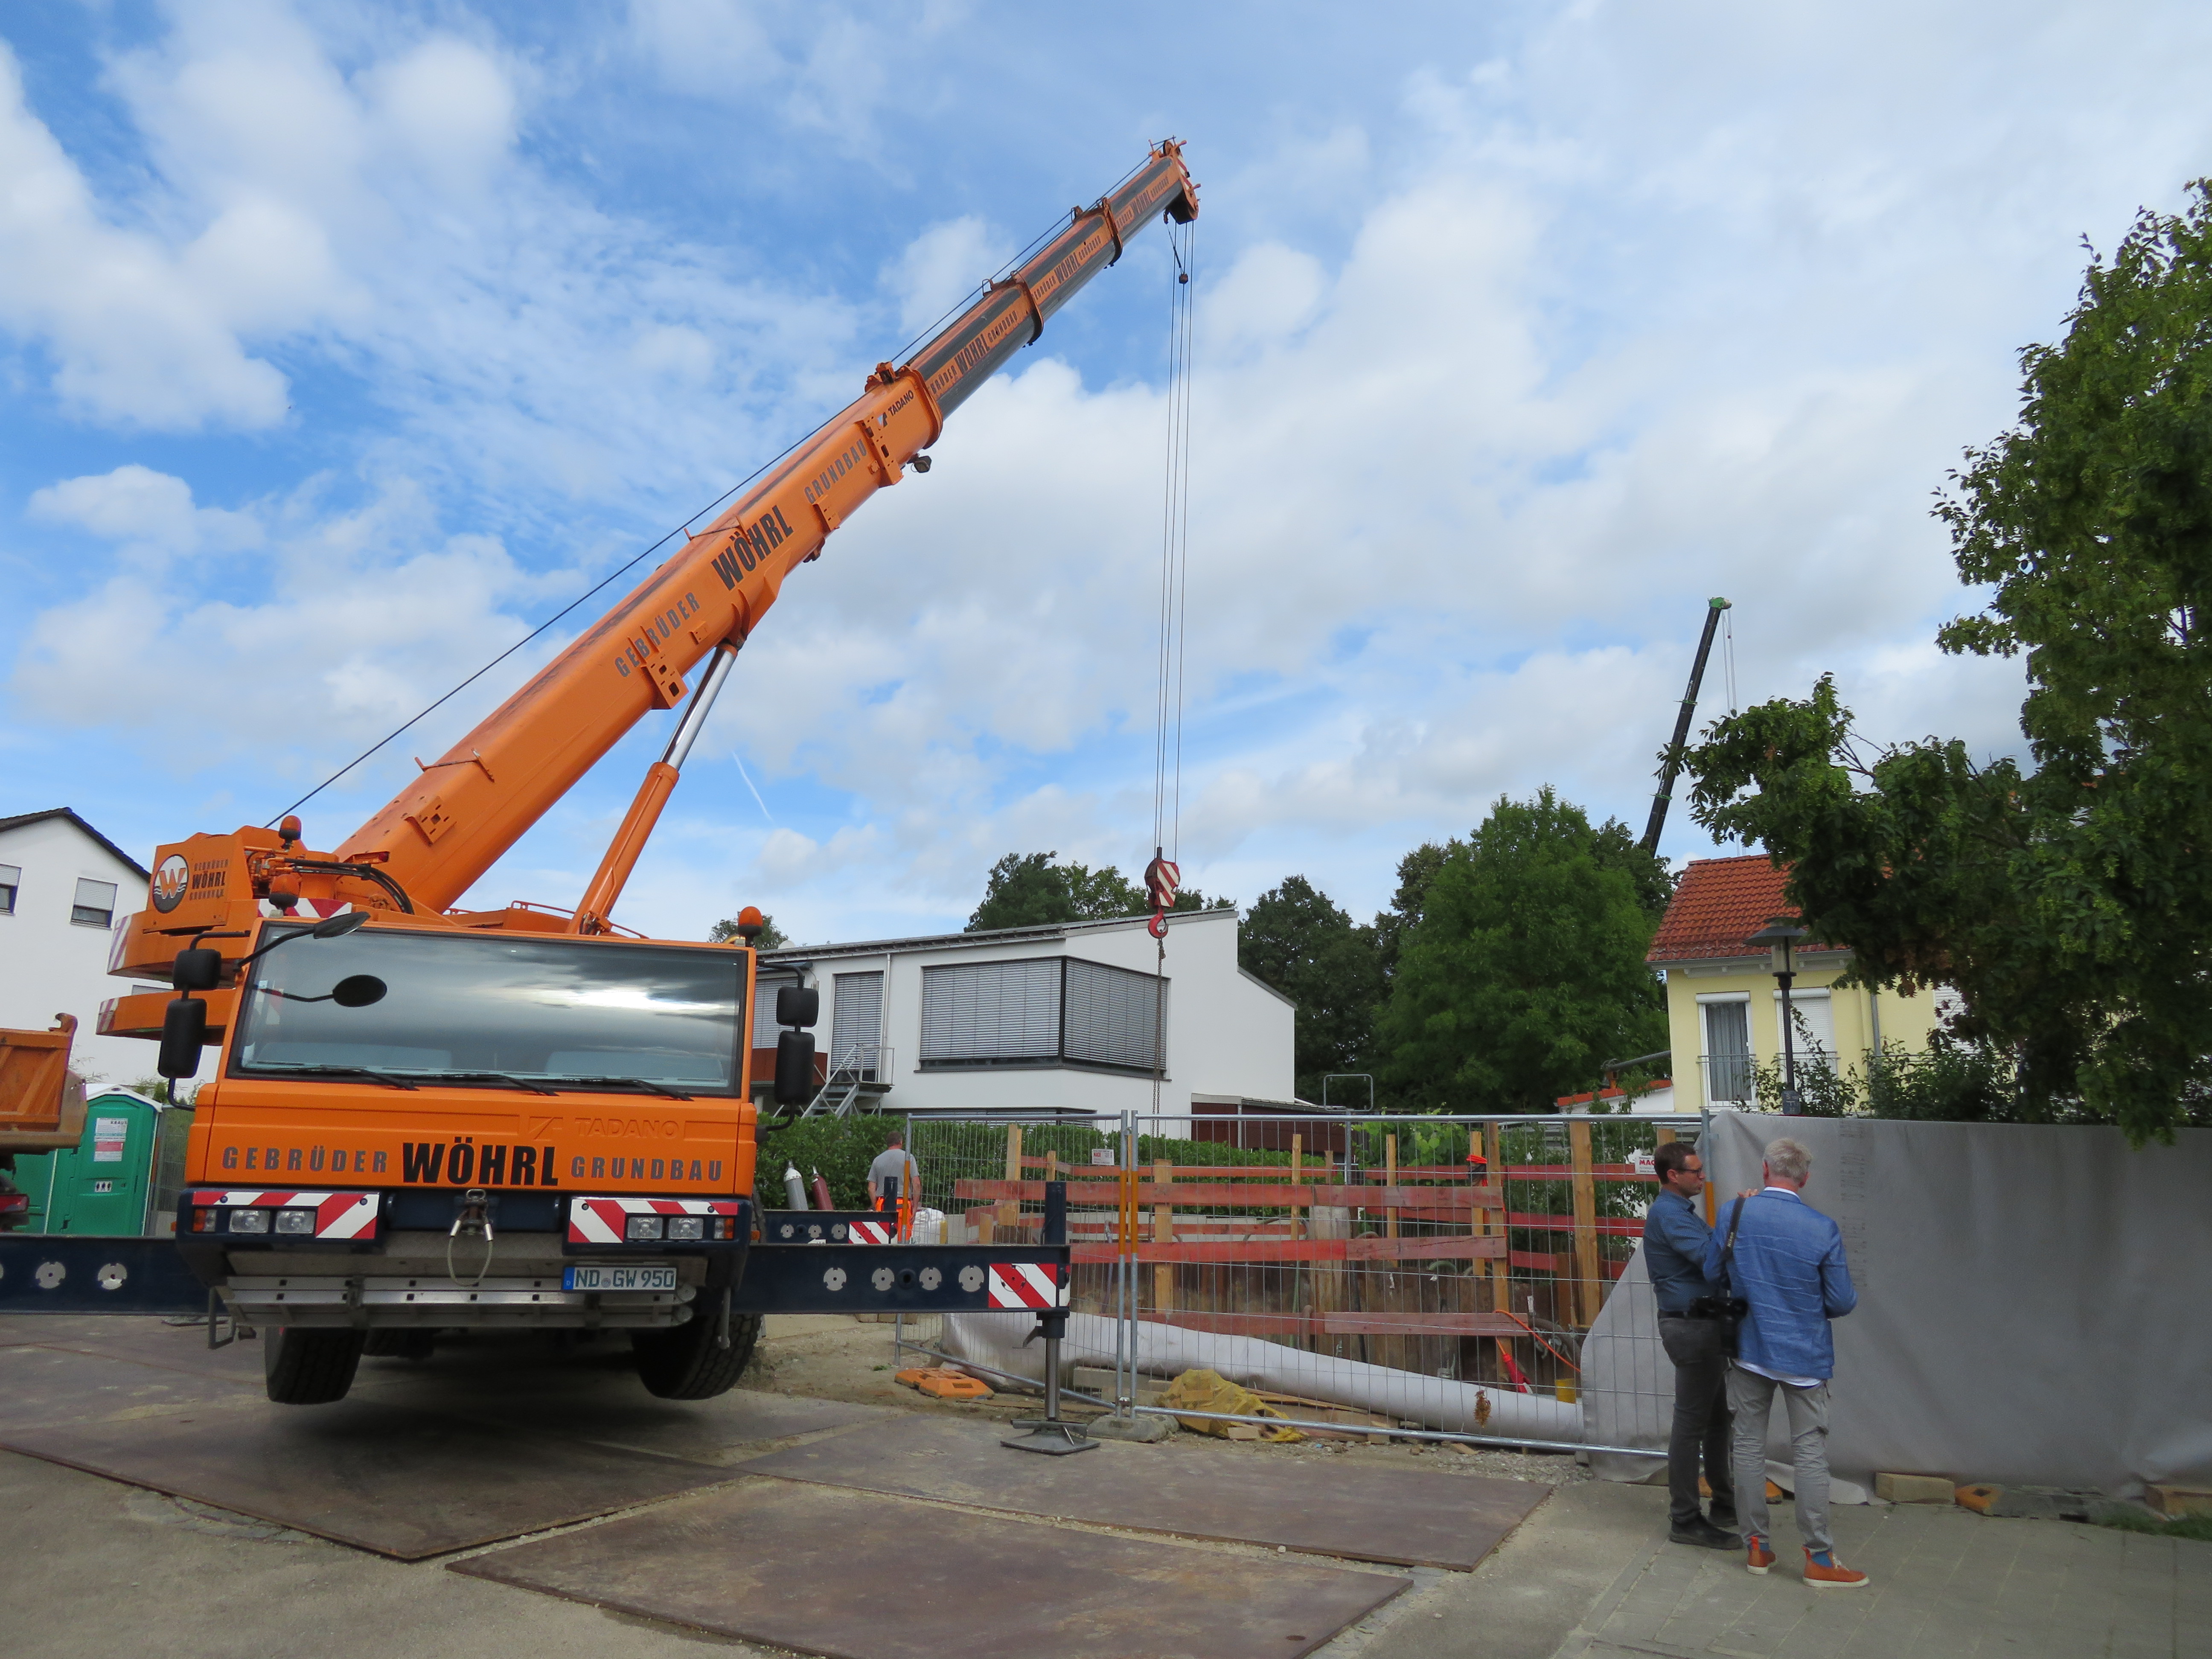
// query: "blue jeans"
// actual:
[[1751, 1399]]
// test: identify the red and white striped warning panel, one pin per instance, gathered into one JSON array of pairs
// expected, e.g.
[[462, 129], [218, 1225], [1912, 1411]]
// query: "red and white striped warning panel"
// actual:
[[873, 1232], [606, 1220], [336, 1215], [1027, 1285]]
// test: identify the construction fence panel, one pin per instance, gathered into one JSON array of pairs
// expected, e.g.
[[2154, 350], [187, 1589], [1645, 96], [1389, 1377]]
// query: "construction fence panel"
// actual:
[[1447, 1275]]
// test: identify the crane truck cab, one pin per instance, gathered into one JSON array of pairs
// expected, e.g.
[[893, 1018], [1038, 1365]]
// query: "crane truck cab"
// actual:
[[422, 1127]]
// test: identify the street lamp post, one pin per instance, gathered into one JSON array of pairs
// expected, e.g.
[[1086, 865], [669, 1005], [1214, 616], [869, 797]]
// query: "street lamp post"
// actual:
[[1780, 939]]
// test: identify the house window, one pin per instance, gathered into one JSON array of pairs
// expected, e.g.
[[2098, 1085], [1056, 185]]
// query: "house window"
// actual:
[[1049, 1010], [11, 878], [856, 1023], [1727, 1049], [765, 986], [1112, 1016], [94, 906], [991, 1013], [1812, 1025]]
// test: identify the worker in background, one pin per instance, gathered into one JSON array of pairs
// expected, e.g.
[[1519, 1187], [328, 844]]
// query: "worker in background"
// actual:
[[1695, 1334], [1786, 1259], [893, 1164]]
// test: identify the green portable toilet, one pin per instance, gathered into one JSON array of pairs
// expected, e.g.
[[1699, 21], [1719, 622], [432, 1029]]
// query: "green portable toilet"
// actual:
[[123, 1177]]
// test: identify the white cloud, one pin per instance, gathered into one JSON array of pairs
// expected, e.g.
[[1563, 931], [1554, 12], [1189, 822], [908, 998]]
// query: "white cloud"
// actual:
[[942, 266], [136, 334], [142, 508]]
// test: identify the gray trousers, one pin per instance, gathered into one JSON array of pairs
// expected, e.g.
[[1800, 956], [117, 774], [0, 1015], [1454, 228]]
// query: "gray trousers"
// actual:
[[1699, 1349], [1751, 1400]]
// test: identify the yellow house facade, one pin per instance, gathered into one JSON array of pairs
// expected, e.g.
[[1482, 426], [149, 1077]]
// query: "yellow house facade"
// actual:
[[1724, 1007]]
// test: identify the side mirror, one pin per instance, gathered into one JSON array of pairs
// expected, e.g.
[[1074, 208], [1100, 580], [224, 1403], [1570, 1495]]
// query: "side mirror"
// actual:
[[340, 925], [196, 970], [184, 1034], [798, 1006], [358, 991], [794, 1068]]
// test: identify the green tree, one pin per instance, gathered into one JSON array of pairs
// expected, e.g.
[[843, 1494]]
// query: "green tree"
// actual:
[[2069, 904], [1415, 871], [1294, 939], [1030, 890], [1525, 971], [771, 937]]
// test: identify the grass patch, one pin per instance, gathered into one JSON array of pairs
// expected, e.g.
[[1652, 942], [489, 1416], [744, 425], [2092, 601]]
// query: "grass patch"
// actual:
[[2198, 1527]]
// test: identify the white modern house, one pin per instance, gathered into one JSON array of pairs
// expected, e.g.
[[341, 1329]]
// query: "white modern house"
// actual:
[[63, 887], [1066, 1019]]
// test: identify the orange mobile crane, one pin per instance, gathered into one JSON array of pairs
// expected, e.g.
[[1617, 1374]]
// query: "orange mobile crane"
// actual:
[[426, 1117]]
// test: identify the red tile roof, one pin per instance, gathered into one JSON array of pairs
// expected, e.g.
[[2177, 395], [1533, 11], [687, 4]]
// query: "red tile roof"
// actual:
[[1717, 904]]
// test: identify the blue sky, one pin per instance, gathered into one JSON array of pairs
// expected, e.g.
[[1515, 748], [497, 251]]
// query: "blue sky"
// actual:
[[343, 345]]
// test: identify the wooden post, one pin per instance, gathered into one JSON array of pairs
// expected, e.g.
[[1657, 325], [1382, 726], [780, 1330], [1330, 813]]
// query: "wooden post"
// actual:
[[1501, 1267], [1390, 1179], [1164, 1273], [1590, 1294], [1010, 1209]]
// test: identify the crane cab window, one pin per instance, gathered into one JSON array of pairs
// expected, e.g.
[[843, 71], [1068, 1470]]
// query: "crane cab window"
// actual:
[[474, 1010]]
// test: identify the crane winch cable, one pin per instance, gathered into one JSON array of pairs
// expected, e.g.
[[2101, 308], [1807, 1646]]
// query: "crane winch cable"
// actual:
[[613, 576], [1163, 877]]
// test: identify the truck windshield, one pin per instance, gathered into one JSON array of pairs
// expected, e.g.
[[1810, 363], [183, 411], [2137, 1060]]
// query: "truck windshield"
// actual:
[[550, 1010]]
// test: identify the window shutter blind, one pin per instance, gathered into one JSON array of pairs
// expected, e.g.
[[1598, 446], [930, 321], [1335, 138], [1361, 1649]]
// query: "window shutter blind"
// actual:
[[991, 1010], [1113, 1016], [856, 1020]]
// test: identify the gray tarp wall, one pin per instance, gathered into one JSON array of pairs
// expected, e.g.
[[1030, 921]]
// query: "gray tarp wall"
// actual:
[[2035, 1302]]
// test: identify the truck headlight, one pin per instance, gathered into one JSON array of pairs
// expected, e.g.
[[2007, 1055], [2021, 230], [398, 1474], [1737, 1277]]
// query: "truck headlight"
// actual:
[[249, 1221], [687, 1229], [641, 1228], [297, 1222]]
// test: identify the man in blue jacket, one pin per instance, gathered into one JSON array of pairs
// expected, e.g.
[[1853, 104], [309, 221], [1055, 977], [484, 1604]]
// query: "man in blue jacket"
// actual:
[[1786, 1259], [1675, 1236]]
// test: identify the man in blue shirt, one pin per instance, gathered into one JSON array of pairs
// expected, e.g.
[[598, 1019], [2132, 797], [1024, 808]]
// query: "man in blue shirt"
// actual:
[[1787, 1261], [1675, 1236]]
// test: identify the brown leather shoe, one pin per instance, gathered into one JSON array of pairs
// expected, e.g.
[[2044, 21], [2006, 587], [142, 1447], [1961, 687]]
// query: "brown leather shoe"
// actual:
[[1757, 1557], [1834, 1575]]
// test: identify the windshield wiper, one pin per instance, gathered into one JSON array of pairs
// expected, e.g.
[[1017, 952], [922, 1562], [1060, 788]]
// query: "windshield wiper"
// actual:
[[384, 1078], [625, 1082], [507, 1077]]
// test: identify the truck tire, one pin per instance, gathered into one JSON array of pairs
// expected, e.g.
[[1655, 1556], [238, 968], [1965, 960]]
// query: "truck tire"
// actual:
[[309, 1368], [685, 1363]]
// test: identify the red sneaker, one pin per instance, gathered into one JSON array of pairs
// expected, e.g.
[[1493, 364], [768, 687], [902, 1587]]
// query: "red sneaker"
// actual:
[[1757, 1557], [1833, 1576]]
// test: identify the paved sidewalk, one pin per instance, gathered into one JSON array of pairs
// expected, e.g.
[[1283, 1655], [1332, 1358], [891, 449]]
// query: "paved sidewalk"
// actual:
[[1947, 1584]]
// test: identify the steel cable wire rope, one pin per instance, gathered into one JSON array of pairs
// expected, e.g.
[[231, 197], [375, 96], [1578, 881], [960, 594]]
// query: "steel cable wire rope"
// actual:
[[613, 576], [903, 352]]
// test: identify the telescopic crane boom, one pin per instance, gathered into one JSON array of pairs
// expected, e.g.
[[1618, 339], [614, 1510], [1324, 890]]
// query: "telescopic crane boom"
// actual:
[[432, 842], [1670, 765]]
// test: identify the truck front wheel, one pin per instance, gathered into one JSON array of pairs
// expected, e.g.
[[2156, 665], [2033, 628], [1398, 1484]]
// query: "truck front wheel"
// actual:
[[688, 1364], [309, 1368]]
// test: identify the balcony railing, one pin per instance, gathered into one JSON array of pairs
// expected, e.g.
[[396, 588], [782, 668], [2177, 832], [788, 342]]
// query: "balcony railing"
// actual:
[[1727, 1079]]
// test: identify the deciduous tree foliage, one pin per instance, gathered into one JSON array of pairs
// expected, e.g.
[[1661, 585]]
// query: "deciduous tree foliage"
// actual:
[[2071, 904], [1525, 971], [771, 936], [1299, 942], [1029, 890]]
